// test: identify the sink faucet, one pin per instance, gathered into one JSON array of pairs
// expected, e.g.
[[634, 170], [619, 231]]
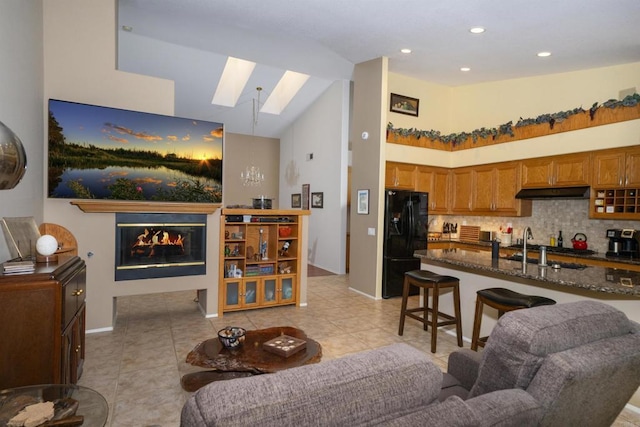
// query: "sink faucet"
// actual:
[[526, 235]]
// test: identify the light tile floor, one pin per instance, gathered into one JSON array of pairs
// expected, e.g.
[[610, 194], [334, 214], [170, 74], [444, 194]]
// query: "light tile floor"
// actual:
[[138, 366]]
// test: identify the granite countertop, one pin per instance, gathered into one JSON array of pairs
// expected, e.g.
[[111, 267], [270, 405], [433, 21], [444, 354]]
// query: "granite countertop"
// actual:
[[593, 278], [600, 256]]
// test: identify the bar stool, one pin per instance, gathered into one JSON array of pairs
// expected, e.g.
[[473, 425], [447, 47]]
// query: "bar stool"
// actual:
[[503, 300], [428, 280]]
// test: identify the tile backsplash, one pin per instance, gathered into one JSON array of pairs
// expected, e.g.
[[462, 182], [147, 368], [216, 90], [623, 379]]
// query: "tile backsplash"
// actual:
[[547, 218]]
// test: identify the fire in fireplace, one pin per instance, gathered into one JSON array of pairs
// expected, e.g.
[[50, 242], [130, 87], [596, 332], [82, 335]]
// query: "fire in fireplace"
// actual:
[[160, 245]]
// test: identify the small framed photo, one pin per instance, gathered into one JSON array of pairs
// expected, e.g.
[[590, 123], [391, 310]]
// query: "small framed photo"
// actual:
[[305, 196], [296, 200], [404, 105], [363, 202], [317, 200]]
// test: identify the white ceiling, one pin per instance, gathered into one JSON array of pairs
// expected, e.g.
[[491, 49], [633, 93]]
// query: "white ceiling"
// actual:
[[188, 41]]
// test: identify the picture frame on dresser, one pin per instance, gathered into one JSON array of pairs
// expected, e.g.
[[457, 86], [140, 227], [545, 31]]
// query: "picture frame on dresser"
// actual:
[[21, 235]]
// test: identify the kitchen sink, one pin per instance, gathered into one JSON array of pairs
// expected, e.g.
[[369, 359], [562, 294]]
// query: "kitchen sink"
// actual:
[[569, 265]]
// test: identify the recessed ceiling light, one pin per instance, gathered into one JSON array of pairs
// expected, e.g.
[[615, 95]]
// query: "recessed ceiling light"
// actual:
[[465, 69], [477, 30], [405, 50], [544, 54]]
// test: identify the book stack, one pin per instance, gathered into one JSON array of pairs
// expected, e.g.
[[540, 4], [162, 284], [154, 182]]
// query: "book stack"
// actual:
[[18, 267]]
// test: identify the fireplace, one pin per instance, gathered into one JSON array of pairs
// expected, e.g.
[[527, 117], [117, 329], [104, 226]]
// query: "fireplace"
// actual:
[[150, 245]]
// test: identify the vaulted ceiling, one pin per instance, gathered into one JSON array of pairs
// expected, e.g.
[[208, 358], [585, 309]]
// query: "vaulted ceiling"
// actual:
[[189, 41]]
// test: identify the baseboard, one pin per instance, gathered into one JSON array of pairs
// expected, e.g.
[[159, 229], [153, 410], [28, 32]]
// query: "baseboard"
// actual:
[[95, 331]]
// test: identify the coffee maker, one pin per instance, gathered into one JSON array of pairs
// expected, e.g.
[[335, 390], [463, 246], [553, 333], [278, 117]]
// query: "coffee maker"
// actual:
[[623, 243]]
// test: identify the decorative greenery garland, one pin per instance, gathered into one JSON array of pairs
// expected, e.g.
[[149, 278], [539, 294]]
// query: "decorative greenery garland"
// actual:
[[507, 128]]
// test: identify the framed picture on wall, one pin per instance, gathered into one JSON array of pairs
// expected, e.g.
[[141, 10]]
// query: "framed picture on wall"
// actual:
[[317, 200], [305, 196], [296, 200], [404, 105], [363, 202]]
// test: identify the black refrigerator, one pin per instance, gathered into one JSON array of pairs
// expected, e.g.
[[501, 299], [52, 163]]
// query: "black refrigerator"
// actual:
[[405, 231]]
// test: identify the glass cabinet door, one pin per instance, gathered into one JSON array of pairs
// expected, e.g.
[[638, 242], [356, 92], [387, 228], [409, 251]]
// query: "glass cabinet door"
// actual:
[[270, 295], [232, 293], [287, 291], [250, 291]]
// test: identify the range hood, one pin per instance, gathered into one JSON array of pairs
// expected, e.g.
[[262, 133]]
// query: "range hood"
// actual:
[[554, 193]]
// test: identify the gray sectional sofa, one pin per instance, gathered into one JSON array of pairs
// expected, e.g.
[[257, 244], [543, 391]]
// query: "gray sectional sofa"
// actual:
[[566, 364]]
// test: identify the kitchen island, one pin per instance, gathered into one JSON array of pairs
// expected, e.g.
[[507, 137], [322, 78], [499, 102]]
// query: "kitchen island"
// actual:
[[476, 270]]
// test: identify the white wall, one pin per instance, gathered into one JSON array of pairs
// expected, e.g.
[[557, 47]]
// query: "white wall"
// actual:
[[322, 131], [21, 103]]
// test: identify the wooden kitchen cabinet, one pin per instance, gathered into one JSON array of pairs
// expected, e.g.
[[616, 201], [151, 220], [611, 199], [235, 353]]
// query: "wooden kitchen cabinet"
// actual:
[[615, 192], [461, 190], [494, 190], [434, 181], [557, 171], [401, 176], [616, 168], [505, 186], [42, 324]]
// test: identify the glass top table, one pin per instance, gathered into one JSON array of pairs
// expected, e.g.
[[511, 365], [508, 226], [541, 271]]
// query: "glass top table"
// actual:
[[91, 404]]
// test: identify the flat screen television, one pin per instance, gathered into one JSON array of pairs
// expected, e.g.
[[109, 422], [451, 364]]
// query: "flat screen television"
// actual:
[[108, 153]]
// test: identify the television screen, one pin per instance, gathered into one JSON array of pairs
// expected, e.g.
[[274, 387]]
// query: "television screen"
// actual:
[[108, 153]]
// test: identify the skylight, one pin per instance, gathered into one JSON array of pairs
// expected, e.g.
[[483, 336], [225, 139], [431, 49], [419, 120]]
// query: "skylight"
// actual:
[[234, 77], [290, 83]]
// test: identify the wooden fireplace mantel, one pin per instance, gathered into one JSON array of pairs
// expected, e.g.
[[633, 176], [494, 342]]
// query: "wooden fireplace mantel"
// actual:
[[96, 206]]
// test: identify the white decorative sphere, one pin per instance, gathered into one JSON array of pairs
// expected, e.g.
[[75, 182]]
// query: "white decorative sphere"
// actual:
[[46, 245]]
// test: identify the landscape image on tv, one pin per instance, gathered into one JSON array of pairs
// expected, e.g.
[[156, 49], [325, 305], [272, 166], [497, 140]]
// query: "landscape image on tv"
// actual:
[[108, 153]]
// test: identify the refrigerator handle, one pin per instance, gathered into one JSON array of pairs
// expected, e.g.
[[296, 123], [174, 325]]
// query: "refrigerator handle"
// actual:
[[410, 227]]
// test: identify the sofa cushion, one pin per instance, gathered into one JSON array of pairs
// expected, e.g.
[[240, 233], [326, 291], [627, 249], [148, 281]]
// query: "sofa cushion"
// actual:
[[602, 376], [504, 408], [523, 338], [357, 389]]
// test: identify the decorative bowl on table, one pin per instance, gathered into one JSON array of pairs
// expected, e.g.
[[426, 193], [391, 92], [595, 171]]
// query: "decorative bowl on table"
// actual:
[[232, 336]]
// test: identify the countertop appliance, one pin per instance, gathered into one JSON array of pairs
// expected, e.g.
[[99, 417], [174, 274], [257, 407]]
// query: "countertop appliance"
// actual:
[[405, 231], [623, 243]]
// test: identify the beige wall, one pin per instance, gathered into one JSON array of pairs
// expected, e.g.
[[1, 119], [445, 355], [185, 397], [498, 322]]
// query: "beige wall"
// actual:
[[241, 151], [435, 104], [369, 104], [496, 103], [82, 69]]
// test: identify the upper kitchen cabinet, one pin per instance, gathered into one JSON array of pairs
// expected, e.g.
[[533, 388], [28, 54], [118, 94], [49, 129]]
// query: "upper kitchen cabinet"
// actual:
[[616, 168], [494, 190], [400, 175], [557, 171], [434, 181], [461, 189], [615, 190]]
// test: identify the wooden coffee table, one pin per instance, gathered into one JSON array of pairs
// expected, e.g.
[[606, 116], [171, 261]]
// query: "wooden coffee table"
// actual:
[[248, 359]]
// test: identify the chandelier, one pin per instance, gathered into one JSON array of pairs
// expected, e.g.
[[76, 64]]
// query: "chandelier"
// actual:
[[252, 176]]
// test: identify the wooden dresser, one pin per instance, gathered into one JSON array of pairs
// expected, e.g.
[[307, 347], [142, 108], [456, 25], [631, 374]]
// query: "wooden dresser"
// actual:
[[42, 324]]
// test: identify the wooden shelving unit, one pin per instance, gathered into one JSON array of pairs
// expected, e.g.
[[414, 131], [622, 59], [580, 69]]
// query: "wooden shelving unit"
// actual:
[[260, 256]]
